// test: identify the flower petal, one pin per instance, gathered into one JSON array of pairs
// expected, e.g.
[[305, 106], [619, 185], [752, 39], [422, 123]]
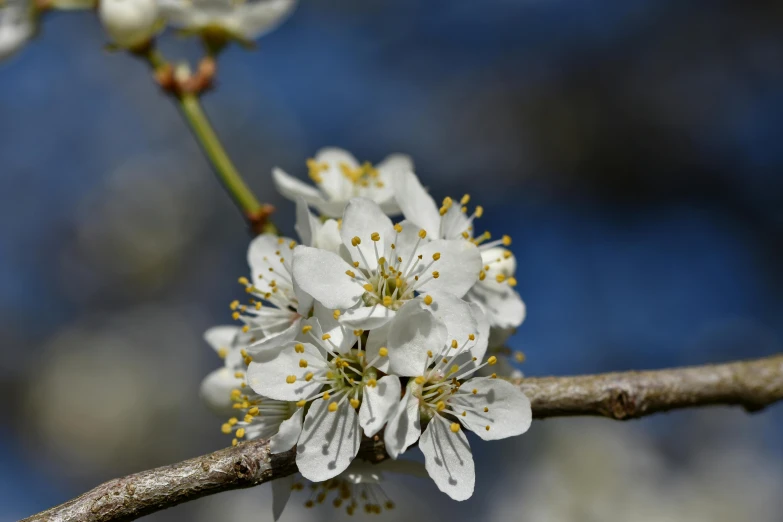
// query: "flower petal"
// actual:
[[269, 257], [288, 434], [329, 441], [221, 337], [281, 492], [453, 223], [216, 389], [269, 370], [448, 459], [458, 265], [416, 204], [404, 426], [377, 339], [333, 182], [322, 275], [379, 403], [291, 188], [462, 319], [501, 304], [307, 224], [260, 18], [413, 332], [363, 217], [275, 341], [323, 322], [509, 409], [367, 317], [328, 237]]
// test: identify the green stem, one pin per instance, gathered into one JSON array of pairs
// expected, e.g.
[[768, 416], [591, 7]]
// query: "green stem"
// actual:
[[224, 168]]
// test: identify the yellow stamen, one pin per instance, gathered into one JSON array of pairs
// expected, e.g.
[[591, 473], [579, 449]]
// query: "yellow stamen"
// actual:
[[428, 300], [332, 407], [383, 352], [455, 427], [492, 360], [290, 379]]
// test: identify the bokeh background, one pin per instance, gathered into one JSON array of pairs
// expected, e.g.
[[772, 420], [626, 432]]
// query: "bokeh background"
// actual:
[[632, 150]]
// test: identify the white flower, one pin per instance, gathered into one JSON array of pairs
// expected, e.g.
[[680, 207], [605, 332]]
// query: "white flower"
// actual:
[[359, 484], [315, 233], [391, 265], [494, 291], [335, 381], [228, 343], [17, 25], [340, 177], [244, 20], [446, 397], [130, 23]]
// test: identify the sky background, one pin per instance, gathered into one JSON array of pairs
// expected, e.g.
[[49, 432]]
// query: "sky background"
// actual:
[[631, 149]]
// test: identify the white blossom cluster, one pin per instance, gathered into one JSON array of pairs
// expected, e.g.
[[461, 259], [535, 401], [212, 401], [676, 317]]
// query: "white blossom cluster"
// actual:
[[367, 327]]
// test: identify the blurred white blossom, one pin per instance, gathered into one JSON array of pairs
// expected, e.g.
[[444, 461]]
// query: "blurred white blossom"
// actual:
[[130, 23], [17, 25], [243, 20]]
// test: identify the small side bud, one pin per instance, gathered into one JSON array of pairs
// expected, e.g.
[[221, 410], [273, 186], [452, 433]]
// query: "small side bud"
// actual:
[[130, 23]]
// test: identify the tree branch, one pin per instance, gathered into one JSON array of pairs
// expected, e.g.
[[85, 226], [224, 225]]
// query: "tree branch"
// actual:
[[751, 384]]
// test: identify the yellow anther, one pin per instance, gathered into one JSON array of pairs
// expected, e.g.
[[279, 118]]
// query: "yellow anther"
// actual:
[[500, 278], [465, 235], [301, 404], [258, 305], [239, 375], [247, 360], [472, 337], [332, 407], [506, 254], [226, 428], [436, 274], [382, 261], [440, 406], [368, 287], [235, 316], [355, 403], [387, 300], [454, 343], [327, 396], [358, 333], [243, 281], [350, 273], [482, 275], [429, 353], [235, 394], [493, 376], [290, 379], [419, 380], [464, 414], [355, 264], [372, 383], [375, 236], [474, 391], [487, 427], [234, 442], [240, 433], [234, 305], [506, 240], [299, 348], [455, 427], [443, 211], [309, 376], [465, 199], [302, 363], [253, 410], [492, 360], [245, 329], [428, 300], [306, 328], [232, 421], [512, 281], [422, 233], [398, 228], [486, 410], [454, 369], [383, 352], [248, 418], [355, 241], [519, 357], [479, 211], [436, 256], [326, 337], [398, 282], [222, 352]]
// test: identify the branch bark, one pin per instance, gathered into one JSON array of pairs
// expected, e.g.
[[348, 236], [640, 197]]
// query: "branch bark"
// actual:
[[752, 384]]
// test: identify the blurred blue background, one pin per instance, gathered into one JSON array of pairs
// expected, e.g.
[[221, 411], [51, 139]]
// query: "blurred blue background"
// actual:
[[630, 148]]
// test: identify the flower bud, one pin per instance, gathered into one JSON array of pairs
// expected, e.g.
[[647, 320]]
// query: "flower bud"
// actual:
[[130, 23]]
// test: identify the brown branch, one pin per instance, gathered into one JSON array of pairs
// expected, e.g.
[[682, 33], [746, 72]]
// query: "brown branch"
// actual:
[[751, 384]]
